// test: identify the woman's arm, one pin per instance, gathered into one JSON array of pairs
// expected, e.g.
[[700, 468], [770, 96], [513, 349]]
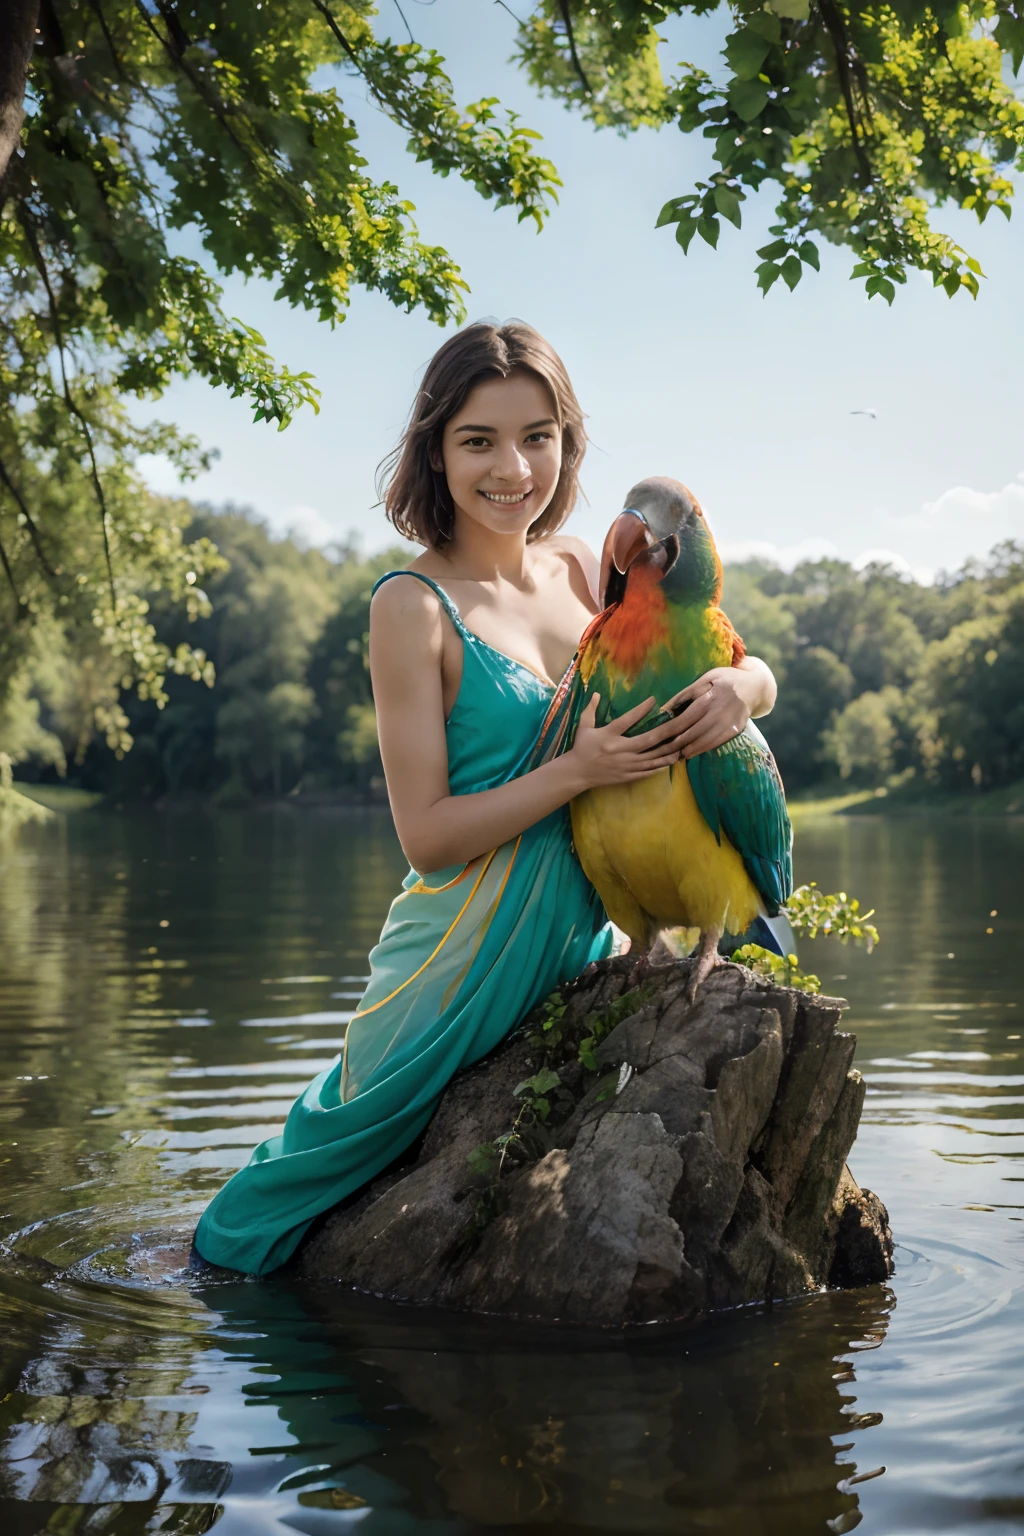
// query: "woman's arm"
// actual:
[[436, 828], [721, 702]]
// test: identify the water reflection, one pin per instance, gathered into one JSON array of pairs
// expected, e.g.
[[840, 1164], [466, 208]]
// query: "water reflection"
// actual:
[[276, 1407], [141, 1062]]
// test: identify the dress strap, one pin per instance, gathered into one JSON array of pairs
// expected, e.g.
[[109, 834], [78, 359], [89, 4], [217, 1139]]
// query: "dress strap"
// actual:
[[439, 592]]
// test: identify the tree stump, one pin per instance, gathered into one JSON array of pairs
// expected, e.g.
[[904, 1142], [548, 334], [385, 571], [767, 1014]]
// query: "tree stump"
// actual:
[[693, 1160]]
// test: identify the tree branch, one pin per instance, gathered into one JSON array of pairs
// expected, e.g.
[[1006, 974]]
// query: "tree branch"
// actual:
[[18, 20], [97, 11], [33, 531], [58, 336], [563, 6], [836, 28], [20, 603]]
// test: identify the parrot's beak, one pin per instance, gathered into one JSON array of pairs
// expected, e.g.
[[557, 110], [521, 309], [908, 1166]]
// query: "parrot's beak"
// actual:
[[627, 537]]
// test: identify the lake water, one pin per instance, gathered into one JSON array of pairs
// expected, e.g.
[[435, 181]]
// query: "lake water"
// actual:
[[167, 984]]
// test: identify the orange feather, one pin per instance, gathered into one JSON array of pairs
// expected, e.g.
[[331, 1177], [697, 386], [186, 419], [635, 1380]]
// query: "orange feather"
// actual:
[[636, 625]]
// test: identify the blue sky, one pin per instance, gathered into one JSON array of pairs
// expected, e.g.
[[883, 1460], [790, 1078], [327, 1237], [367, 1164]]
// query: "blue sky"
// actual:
[[682, 367]]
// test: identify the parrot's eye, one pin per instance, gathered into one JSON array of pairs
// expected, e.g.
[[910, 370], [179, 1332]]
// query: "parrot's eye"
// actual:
[[668, 552]]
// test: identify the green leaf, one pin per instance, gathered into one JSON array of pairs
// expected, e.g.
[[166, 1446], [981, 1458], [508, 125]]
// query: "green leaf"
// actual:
[[808, 253], [775, 251], [766, 25], [767, 274], [541, 1082], [685, 232], [1009, 34], [484, 1159], [792, 271], [746, 52], [792, 10], [727, 201], [708, 230], [748, 98], [673, 210]]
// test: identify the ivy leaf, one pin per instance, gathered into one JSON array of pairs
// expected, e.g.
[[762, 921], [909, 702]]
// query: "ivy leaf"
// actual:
[[808, 253], [483, 1159], [542, 1082], [767, 274], [880, 284], [791, 271]]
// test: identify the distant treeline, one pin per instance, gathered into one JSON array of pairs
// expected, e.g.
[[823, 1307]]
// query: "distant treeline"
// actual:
[[881, 679]]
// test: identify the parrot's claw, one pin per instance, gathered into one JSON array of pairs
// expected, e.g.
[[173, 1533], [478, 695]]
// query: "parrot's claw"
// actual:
[[705, 958], [642, 968]]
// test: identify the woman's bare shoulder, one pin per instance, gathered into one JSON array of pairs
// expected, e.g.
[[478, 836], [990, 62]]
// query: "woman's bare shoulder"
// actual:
[[567, 544], [406, 606]]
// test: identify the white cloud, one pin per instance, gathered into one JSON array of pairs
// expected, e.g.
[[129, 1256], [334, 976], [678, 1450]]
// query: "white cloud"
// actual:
[[959, 524], [787, 555], [309, 527]]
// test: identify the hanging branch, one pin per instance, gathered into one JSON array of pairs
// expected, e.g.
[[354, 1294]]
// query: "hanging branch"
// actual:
[[325, 12], [97, 10], [33, 531], [22, 606], [563, 6], [69, 400], [836, 28], [405, 22]]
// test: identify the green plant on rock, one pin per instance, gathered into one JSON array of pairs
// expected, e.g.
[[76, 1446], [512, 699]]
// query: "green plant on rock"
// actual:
[[812, 912], [546, 1098]]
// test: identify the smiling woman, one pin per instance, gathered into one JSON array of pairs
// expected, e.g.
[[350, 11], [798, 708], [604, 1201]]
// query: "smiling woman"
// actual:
[[465, 655]]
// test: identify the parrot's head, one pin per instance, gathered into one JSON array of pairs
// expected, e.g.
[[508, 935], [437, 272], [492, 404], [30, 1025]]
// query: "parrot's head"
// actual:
[[662, 532]]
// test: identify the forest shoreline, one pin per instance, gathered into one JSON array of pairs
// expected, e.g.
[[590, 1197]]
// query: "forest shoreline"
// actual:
[[902, 800]]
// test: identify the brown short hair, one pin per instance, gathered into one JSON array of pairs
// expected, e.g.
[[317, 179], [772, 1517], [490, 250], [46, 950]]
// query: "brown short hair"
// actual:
[[415, 494]]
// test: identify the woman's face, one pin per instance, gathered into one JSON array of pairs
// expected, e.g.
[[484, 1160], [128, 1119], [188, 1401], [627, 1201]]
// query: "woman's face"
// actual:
[[502, 453]]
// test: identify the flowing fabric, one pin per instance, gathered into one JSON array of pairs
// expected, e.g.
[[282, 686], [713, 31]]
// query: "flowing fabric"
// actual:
[[463, 957]]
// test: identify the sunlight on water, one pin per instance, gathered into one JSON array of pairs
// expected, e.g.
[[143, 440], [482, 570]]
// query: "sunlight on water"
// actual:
[[141, 1064]]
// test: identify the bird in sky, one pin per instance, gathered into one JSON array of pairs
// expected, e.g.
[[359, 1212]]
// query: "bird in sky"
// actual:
[[866, 411], [706, 843]]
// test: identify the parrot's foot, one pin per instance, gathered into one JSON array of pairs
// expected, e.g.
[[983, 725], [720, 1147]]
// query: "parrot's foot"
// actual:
[[705, 958], [643, 965]]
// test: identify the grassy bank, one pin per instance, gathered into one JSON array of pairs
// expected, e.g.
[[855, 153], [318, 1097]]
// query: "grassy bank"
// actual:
[[60, 797], [910, 799]]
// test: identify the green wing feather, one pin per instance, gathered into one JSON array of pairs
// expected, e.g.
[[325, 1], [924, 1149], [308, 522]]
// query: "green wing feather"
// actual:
[[738, 789]]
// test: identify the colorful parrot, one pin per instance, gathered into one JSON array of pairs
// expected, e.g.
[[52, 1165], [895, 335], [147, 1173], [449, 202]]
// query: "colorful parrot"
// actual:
[[705, 843]]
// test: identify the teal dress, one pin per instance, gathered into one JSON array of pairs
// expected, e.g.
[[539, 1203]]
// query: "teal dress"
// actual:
[[464, 955]]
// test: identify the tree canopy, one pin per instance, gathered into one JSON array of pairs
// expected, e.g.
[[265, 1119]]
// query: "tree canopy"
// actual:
[[125, 124], [862, 118]]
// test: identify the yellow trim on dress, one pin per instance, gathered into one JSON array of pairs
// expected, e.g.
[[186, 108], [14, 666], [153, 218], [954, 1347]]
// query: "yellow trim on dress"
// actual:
[[455, 922], [419, 889]]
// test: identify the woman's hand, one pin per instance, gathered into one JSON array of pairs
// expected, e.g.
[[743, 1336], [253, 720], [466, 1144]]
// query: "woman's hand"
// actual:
[[604, 754], [716, 707]]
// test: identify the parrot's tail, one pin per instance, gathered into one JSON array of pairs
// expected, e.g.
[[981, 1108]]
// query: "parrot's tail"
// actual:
[[772, 933]]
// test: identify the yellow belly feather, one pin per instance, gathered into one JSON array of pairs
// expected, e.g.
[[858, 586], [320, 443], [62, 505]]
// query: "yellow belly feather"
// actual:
[[654, 861]]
